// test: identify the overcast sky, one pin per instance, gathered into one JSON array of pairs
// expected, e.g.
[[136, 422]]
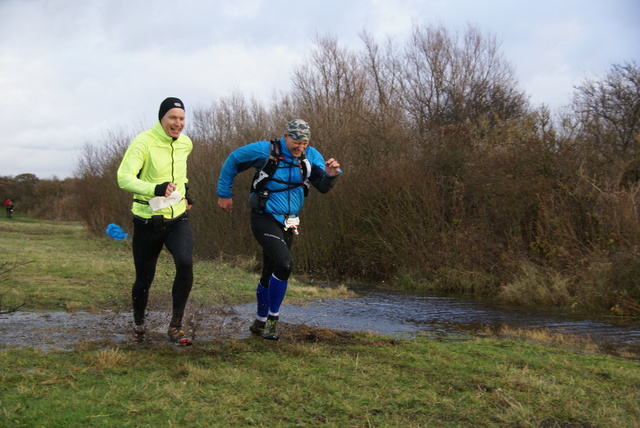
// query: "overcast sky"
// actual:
[[72, 71]]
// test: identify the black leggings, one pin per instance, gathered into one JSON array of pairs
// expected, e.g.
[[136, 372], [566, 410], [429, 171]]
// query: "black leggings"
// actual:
[[148, 240], [276, 246]]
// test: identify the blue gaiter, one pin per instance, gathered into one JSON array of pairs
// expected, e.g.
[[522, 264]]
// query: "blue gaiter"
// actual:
[[262, 295], [277, 290]]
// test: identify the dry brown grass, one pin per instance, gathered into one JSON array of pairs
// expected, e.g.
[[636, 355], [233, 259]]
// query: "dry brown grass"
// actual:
[[111, 357], [547, 336]]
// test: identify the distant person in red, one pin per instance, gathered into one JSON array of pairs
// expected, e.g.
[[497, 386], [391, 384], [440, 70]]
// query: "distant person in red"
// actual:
[[8, 205]]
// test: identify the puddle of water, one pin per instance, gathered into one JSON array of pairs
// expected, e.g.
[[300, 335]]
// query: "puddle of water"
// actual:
[[380, 312], [58, 330], [396, 313], [65, 330]]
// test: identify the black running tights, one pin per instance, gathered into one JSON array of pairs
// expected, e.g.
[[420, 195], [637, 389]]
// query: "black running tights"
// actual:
[[147, 245], [276, 247]]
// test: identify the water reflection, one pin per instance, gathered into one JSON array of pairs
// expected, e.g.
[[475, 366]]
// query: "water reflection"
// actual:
[[381, 312], [396, 313]]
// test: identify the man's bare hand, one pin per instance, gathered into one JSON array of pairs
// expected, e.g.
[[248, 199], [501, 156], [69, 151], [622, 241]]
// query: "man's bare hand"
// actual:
[[226, 204], [332, 167]]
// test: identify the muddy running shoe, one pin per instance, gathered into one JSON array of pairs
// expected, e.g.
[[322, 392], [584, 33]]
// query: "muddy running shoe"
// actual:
[[257, 328], [139, 335], [176, 335], [270, 330]]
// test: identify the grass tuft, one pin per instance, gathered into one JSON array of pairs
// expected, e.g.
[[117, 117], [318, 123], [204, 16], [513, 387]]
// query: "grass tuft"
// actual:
[[112, 357]]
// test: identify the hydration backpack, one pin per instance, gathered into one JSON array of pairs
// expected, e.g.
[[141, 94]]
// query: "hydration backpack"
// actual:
[[266, 173]]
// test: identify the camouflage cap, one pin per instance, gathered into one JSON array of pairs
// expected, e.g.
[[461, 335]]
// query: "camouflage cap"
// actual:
[[299, 130]]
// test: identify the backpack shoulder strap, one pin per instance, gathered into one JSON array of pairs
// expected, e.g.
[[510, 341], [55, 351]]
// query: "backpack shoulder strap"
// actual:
[[305, 169], [263, 175]]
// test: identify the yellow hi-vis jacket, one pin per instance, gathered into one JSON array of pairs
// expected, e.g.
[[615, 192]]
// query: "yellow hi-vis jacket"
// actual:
[[154, 158]]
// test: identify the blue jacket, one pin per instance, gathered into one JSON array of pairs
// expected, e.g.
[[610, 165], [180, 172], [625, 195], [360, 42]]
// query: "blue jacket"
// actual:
[[283, 203]]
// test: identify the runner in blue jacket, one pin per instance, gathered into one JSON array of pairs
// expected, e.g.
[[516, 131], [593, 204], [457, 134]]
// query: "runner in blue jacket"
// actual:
[[285, 169]]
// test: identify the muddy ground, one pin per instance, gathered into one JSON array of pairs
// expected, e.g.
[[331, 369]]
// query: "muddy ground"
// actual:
[[65, 331]]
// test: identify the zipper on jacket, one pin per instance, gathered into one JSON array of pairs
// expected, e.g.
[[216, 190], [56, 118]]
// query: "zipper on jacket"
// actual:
[[292, 169], [173, 178]]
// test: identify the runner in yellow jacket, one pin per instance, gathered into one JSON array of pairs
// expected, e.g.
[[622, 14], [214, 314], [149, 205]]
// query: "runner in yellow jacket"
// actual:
[[154, 169]]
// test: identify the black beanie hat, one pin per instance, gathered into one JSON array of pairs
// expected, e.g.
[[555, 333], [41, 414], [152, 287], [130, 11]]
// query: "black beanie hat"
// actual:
[[168, 104]]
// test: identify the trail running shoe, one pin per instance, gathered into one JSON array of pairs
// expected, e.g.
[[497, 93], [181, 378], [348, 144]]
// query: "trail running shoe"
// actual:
[[271, 330], [176, 335], [257, 328], [139, 335]]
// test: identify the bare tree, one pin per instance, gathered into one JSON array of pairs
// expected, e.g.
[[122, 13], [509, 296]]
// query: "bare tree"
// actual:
[[330, 88], [385, 117], [607, 112], [384, 71], [449, 82]]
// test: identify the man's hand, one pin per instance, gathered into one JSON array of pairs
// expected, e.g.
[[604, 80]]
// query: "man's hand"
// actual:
[[170, 189], [226, 204], [165, 189], [332, 167]]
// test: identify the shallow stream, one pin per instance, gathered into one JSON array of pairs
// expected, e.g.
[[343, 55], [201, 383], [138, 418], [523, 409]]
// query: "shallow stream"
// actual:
[[405, 314], [381, 312]]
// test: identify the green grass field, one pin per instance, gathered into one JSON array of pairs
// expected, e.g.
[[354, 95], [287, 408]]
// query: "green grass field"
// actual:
[[311, 377]]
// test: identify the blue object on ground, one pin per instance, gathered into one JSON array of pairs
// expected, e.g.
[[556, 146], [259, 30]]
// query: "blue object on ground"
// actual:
[[116, 232]]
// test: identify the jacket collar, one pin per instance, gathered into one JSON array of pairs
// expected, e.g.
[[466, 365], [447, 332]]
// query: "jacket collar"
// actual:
[[285, 150], [158, 130]]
